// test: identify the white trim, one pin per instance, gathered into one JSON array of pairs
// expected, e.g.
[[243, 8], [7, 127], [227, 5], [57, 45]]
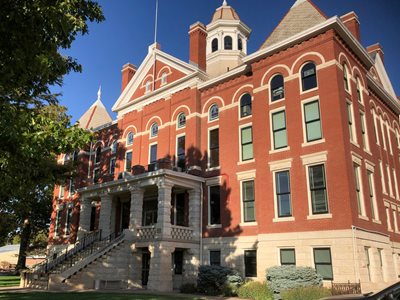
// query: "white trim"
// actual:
[[314, 158], [246, 175], [209, 225], [176, 147], [358, 180], [109, 169], [217, 180], [272, 148], [208, 147], [242, 222], [382, 132], [384, 191], [353, 133], [303, 103], [270, 102], [240, 160], [300, 77], [389, 138], [389, 179], [284, 164], [366, 136], [396, 187], [276, 213], [370, 170], [149, 153], [129, 151]]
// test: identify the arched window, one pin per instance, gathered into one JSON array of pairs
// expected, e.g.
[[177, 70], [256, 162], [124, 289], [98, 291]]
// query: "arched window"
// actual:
[[154, 130], [164, 78], [129, 138], [181, 120], [240, 44], [277, 88], [98, 155], [245, 105], [358, 89], [148, 86], [228, 42], [308, 76], [114, 146], [346, 77], [213, 112], [214, 45]]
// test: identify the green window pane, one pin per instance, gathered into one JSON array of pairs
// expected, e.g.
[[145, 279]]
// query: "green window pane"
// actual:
[[314, 131], [325, 271], [320, 205], [280, 139], [278, 120], [288, 257], [311, 111], [322, 255], [247, 151], [247, 135], [249, 214], [317, 176], [248, 190]]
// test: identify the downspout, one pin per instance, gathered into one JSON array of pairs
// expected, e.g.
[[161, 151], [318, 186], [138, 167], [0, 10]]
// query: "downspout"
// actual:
[[201, 223]]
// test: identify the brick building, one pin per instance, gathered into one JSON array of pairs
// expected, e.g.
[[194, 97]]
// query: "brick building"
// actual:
[[288, 155]]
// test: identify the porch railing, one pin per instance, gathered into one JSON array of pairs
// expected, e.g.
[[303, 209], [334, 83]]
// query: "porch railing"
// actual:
[[346, 288], [181, 233], [146, 232]]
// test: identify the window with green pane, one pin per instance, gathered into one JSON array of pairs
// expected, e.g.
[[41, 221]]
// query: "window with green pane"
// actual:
[[282, 182], [317, 182], [249, 214], [279, 129], [313, 121], [323, 262], [358, 188], [288, 257], [247, 143]]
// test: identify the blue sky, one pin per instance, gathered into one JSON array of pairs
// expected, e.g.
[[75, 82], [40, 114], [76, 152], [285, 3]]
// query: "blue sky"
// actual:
[[129, 29]]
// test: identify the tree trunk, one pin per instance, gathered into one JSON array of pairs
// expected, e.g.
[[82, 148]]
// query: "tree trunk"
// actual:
[[25, 235]]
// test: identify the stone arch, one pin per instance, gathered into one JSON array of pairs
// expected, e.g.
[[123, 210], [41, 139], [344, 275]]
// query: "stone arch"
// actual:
[[282, 69], [314, 57]]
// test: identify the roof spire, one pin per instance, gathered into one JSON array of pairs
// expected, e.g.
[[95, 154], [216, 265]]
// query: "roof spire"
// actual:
[[225, 3], [99, 94]]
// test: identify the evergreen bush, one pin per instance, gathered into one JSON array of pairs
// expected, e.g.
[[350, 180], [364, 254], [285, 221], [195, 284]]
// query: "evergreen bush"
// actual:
[[255, 290], [188, 288], [309, 293], [281, 278], [216, 280]]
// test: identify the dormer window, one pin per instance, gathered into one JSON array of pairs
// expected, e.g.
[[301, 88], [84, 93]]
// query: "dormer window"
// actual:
[[148, 86], [245, 105], [277, 88], [213, 113], [240, 44], [214, 45], [228, 42], [181, 120], [129, 138], [154, 130], [164, 78], [308, 76]]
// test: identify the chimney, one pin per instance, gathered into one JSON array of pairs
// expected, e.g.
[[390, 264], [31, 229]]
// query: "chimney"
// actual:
[[376, 49], [350, 20], [128, 70], [198, 43]]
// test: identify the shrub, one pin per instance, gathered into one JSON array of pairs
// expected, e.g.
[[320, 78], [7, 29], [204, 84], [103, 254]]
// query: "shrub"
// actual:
[[188, 288], [289, 277], [215, 280], [255, 290], [309, 293]]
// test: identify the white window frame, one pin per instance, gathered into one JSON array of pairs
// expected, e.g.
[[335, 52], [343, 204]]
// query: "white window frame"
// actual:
[[396, 187], [209, 225], [177, 121], [397, 138], [322, 139], [389, 179], [270, 89], [395, 223], [389, 138], [240, 106], [149, 157], [147, 86], [56, 223], [301, 81], [374, 116], [370, 168], [286, 248], [164, 76], [127, 139], [388, 217], [61, 191], [357, 168], [176, 146], [383, 182], [345, 69], [365, 135], [240, 161], [382, 132], [66, 219], [271, 127], [209, 117], [360, 88], [114, 146], [129, 151], [208, 149], [244, 177], [152, 135], [353, 133], [94, 172], [112, 159]]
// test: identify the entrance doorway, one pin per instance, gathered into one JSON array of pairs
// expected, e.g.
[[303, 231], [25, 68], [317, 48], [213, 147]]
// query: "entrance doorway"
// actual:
[[145, 266]]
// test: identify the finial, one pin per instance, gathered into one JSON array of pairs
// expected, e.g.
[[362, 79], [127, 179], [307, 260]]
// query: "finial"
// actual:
[[99, 94], [225, 3]]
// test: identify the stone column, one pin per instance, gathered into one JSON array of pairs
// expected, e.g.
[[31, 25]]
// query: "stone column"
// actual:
[[84, 216], [191, 262], [105, 215], [164, 210], [160, 276], [135, 218], [194, 212], [135, 268]]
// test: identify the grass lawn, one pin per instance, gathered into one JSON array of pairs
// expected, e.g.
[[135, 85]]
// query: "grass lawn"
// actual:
[[88, 295], [9, 281]]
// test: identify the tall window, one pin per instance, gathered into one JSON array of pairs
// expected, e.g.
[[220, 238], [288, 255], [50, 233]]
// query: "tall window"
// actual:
[[383, 181], [282, 188], [395, 183], [228, 42], [68, 221], [249, 213], [181, 120], [288, 257], [245, 105], [350, 121], [250, 263], [96, 175], [215, 206], [154, 130], [129, 138], [313, 121], [71, 189], [389, 222], [163, 78], [364, 132], [97, 155], [57, 226], [148, 86], [215, 257], [346, 77], [358, 89], [153, 153], [112, 165], [317, 182], [360, 200], [214, 147], [247, 143], [372, 200], [213, 113], [61, 191], [180, 152], [128, 161], [277, 88], [114, 147], [214, 45], [308, 76], [279, 129], [323, 262], [240, 44]]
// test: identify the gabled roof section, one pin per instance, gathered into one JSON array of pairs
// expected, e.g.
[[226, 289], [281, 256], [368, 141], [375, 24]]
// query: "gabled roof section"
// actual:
[[155, 55], [301, 16], [97, 115], [383, 76]]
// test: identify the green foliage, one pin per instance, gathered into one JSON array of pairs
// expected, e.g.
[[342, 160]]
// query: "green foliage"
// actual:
[[288, 277], [188, 288], [255, 290], [309, 293], [216, 280], [9, 281]]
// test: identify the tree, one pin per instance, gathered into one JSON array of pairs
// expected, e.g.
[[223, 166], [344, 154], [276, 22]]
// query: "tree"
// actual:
[[34, 129]]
